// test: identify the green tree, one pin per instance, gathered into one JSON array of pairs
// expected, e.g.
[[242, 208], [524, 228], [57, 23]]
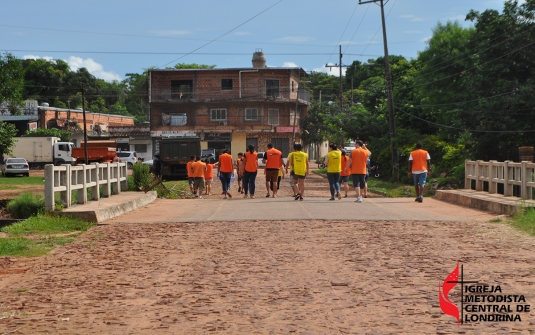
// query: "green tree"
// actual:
[[7, 135], [11, 82], [64, 135], [193, 66]]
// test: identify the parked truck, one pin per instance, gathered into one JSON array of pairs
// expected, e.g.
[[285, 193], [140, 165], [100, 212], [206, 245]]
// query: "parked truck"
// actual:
[[97, 151], [39, 151], [175, 153]]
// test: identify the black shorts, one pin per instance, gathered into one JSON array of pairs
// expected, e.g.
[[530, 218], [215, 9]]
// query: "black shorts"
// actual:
[[359, 180]]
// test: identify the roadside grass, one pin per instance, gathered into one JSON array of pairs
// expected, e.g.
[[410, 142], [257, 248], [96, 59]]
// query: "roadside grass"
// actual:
[[178, 189], [524, 219], [39, 234], [15, 181]]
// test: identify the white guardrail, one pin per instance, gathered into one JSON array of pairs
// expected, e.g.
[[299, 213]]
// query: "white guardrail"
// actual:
[[507, 173], [66, 178]]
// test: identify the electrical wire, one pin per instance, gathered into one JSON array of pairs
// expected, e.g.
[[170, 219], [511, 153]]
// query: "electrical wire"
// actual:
[[463, 129], [228, 32], [341, 36]]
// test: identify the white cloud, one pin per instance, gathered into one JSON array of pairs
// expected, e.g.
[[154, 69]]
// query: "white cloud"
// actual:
[[75, 63], [296, 39], [460, 17], [242, 33], [289, 64], [47, 58], [412, 18], [426, 39], [93, 67], [170, 32]]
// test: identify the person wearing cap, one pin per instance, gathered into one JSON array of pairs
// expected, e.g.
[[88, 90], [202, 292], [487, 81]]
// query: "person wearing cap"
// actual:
[[419, 167]]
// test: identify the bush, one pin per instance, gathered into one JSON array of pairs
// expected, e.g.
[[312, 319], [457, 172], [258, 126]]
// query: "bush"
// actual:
[[141, 176], [26, 205]]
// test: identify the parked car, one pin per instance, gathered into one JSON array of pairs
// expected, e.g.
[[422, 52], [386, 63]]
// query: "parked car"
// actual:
[[129, 157], [208, 154], [14, 166]]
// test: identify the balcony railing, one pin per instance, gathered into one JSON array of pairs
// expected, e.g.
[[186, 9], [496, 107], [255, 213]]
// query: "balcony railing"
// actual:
[[283, 94]]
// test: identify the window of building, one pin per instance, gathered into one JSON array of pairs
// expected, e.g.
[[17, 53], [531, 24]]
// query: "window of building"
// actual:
[[272, 88], [273, 117], [293, 89], [140, 148], [251, 114], [218, 114], [226, 84], [181, 89], [174, 119]]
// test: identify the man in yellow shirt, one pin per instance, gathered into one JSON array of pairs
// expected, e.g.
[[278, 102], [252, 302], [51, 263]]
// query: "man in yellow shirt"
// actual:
[[334, 167], [301, 169], [290, 166]]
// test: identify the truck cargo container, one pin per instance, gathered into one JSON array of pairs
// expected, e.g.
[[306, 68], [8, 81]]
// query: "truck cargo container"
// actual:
[[99, 151], [175, 153], [39, 151]]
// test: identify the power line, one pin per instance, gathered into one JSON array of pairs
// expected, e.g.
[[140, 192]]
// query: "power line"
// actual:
[[228, 32], [463, 129]]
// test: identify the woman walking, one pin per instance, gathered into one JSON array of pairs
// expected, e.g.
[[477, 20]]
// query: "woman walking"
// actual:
[[334, 167], [250, 171]]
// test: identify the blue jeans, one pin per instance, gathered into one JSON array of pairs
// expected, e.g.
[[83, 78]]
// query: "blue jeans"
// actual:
[[225, 180], [249, 182], [334, 183], [419, 178]]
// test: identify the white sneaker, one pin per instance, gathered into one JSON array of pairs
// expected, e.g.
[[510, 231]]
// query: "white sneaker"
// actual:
[[359, 199], [200, 197], [225, 197]]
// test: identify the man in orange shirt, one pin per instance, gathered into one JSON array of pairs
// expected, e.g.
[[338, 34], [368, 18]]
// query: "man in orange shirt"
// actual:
[[191, 174], [250, 171], [274, 162], [419, 167], [357, 164], [225, 170], [199, 168]]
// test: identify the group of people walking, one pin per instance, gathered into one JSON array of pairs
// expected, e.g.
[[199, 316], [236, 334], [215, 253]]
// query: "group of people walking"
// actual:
[[340, 166]]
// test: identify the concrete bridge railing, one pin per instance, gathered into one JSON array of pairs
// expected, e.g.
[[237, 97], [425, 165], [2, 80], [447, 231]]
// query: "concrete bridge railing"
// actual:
[[66, 178], [507, 173]]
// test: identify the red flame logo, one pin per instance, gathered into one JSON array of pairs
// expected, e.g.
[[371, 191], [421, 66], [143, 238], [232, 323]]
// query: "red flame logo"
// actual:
[[447, 306]]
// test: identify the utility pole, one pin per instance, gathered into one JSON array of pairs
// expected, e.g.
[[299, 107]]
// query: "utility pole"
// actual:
[[341, 84], [391, 113], [85, 125]]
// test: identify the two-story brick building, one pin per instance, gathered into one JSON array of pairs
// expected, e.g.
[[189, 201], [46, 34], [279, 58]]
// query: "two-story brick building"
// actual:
[[228, 108]]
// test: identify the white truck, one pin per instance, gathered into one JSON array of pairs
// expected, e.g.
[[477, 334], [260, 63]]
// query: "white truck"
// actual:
[[39, 151]]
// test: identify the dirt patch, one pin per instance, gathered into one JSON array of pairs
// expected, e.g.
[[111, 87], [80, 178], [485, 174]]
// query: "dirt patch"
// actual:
[[264, 277]]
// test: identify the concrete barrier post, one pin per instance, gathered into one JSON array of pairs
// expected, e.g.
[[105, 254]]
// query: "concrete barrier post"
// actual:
[[507, 177], [524, 181], [479, 183], [467, 180], [49, 187], [81, 179], [95, 190], [65, 180], [492, 175], [116, 178], [124, 174], [106, 188]]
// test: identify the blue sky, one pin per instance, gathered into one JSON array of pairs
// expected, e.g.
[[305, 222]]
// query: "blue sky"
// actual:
[[112, 38]]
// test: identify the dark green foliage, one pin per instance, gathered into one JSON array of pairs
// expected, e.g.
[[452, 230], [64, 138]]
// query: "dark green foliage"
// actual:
[[26, 205], [141, 176], [64, 135]]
